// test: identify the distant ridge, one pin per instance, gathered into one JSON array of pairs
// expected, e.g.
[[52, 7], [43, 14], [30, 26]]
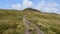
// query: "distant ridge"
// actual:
[[31, 9], [28, 9]]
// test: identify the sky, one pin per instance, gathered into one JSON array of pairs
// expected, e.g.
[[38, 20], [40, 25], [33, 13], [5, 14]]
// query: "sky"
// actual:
[[50, 6]]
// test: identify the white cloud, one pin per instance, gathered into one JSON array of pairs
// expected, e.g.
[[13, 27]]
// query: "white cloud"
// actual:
[[48, 7], [53, 4], [42, 6], [27, 3], [16, 6]]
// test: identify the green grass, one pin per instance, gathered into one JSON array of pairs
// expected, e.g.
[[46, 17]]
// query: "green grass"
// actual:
[[11, 19]]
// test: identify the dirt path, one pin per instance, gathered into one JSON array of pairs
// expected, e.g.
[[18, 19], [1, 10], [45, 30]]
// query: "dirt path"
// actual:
[[26, 26], [37, 29], [4, 20]]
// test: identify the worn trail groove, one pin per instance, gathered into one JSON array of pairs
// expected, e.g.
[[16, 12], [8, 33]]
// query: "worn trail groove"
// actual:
[[26, 26], [27, 23]]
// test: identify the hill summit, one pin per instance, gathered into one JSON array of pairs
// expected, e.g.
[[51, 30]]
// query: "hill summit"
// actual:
[[31, 9]]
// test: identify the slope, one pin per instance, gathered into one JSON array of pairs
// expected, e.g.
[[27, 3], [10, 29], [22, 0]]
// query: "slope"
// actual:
[[11, 21]]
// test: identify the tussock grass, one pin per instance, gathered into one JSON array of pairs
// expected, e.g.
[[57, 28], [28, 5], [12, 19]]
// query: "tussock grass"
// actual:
[[11, 21]]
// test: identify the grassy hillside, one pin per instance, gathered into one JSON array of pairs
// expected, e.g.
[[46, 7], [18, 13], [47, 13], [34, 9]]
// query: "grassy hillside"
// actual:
[[11, 21]]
